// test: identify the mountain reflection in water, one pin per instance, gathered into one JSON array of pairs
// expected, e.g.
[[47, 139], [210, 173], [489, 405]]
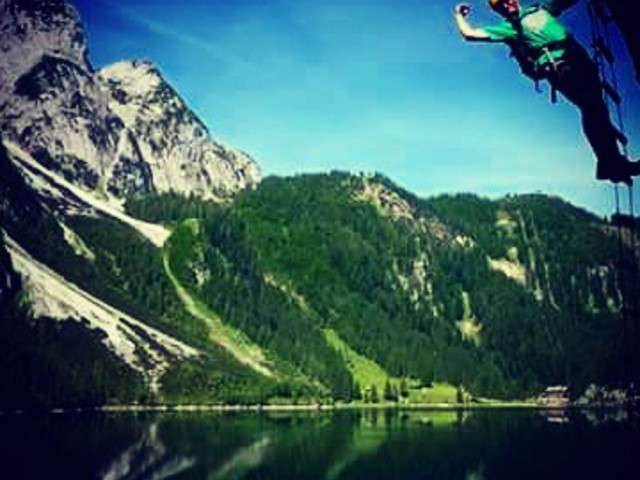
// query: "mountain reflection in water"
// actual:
[[485, 445], [147, 458]]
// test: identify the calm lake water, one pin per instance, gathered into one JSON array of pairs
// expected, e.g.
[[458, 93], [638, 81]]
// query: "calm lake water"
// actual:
[[488, 445]]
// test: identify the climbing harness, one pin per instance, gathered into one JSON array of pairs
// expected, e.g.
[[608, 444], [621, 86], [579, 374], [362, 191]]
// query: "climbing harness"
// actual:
[[529, 59], [553, 67], [626, 225]]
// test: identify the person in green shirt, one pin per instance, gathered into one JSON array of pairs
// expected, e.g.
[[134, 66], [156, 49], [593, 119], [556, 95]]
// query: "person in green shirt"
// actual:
[[545, 49]]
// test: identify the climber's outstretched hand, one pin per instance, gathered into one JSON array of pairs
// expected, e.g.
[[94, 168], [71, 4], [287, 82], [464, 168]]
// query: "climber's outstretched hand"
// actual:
[[463, 9]]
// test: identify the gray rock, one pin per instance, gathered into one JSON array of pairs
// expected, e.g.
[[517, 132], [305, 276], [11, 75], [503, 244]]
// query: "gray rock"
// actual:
[[124, 129]]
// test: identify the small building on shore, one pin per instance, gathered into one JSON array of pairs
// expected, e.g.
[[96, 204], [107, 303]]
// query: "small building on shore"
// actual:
[[555, 397]]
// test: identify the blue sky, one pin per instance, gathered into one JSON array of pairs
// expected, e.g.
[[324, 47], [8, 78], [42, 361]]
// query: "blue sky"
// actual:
[[364, 85]]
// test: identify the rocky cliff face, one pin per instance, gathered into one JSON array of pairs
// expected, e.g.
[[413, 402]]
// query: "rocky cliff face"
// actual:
[[123, 129], [50, 102], [164, 141]]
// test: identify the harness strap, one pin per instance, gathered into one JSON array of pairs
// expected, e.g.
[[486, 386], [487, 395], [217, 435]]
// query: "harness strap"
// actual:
[[552, 66], [536, 71], [541, 72]]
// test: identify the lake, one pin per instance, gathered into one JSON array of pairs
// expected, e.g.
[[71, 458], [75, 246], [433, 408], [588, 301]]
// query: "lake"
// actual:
[[478, 445]]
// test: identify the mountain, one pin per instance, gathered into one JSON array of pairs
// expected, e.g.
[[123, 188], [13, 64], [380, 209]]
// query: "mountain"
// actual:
[[502, 297], [122, 130], [124, 279], [96, 319], [304, 289]]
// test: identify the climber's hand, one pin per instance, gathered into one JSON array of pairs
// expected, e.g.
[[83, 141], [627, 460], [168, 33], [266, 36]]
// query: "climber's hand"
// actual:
[[463, 9]]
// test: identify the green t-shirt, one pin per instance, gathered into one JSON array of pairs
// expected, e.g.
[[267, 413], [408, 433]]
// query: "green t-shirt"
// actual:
[[540, 28]]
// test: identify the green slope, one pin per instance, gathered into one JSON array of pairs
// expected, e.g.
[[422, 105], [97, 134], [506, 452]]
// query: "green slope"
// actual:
[[314, 285], [231, 339], [503, 297], [365, 371]]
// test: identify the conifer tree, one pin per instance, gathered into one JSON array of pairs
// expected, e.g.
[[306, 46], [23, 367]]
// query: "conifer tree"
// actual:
[[404, 388], [388, 392], [374, 394]]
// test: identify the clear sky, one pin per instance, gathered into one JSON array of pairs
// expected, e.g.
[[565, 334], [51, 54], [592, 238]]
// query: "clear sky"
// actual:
[[365, 85]]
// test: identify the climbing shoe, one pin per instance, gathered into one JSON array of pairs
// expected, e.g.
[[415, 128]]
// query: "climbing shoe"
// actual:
[[619, 171]]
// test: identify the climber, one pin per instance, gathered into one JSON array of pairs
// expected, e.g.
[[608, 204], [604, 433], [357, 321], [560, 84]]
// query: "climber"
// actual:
[[546, 50]]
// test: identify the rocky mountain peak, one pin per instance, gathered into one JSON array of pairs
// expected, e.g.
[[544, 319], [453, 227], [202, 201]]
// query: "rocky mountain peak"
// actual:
[[30, 29], [165, 134], [139, 93], [123, 129], [137, 78]]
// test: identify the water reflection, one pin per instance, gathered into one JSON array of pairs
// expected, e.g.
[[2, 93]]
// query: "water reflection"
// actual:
[[559, 415], [243, 461], [147, 458], [322, 445], [476, 473]]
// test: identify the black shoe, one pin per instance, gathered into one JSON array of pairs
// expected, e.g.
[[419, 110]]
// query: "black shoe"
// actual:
[[619, 171], [633, 168]]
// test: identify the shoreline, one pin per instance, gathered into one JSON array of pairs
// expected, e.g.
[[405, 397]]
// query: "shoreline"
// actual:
[[204, 408]]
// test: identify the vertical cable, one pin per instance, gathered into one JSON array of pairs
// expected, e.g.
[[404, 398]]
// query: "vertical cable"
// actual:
[[634, 307], [623, 283], [628, 283]]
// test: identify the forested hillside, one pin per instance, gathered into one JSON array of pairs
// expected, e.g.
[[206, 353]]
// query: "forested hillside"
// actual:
[[501, 297], [305, 289], [81, 350], [211, 285]]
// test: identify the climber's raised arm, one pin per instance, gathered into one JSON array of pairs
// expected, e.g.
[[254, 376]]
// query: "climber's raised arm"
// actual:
[[468, 32]]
